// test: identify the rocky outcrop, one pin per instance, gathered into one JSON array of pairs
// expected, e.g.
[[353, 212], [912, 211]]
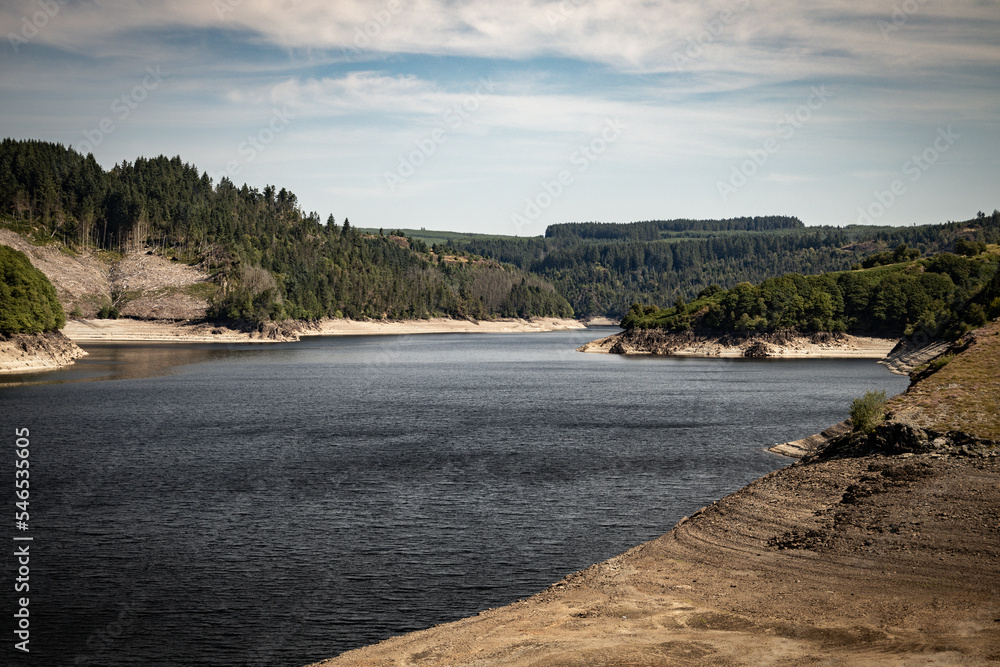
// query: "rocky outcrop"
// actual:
[[907, 355], [894, 438], [811, 444], [27, 353]]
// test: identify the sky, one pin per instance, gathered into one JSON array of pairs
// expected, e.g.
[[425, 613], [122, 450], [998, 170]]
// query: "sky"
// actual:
[[504, 117]]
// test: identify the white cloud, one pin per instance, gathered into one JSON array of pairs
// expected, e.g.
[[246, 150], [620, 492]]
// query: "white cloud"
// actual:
[[768, 38]]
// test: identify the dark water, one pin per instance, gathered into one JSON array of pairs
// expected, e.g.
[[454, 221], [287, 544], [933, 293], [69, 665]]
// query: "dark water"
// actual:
[[276, 505]]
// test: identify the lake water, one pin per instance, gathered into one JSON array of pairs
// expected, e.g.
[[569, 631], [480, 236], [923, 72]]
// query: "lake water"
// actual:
[[275, 505]]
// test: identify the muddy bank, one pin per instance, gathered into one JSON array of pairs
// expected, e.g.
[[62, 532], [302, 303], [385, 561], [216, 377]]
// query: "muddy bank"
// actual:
[[780, 344], [25, 353]]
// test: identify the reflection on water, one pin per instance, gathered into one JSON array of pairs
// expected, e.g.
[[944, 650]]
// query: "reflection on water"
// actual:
[[128, 361]]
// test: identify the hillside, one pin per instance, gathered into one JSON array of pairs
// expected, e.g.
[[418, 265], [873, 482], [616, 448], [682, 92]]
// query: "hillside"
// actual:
[[867, 556], [136, 284], [265, 258], [921, 299], [603, 268]]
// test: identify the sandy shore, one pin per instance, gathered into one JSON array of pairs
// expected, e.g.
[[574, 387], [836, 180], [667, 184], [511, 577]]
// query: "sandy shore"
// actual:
[[440, 325], [126, 330], [845, 346]]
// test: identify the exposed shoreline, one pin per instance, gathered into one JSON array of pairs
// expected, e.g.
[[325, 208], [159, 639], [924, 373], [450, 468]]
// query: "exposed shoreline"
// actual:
[[24, 353], [31, 353], [129, 330], [828, 563], [653, 342]]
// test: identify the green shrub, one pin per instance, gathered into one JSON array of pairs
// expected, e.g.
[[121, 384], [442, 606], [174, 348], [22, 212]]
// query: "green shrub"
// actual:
[[868, 411], [28, 302]]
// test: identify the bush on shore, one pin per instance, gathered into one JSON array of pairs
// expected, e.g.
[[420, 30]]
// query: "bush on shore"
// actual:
[[868, 411], [28, 302]]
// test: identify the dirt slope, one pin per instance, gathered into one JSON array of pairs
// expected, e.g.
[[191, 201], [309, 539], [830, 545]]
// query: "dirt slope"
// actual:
[[143, 286]]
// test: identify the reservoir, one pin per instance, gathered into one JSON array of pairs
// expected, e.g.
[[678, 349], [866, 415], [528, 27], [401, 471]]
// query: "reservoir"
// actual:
[[279, 504]]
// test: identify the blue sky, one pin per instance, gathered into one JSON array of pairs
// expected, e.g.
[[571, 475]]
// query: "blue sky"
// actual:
[[505, 117]]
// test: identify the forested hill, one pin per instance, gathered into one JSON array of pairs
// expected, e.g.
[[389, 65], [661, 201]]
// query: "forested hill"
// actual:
[[897, 295], [271, 260], [604, 268], [268, 259]]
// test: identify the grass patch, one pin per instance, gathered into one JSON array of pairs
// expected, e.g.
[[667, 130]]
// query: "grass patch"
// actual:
[[201, 290], [964, 395], [938, 363]]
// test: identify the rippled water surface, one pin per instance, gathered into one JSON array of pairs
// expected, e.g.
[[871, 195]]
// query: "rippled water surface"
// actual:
[[275, 505]]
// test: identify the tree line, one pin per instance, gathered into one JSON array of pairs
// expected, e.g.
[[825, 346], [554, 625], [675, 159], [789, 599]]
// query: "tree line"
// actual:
[[603, 269], [945, 294], [650, 230], [268, 258]]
